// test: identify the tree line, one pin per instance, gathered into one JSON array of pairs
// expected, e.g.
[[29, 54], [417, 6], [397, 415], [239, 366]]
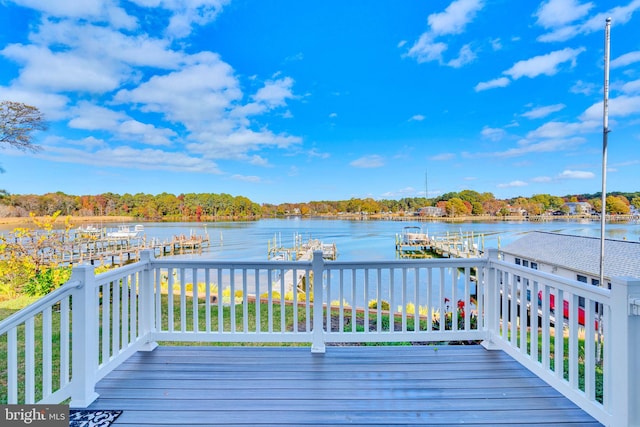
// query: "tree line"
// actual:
[[208, 206]]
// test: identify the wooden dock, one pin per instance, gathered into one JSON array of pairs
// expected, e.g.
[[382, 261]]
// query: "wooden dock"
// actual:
[[300, 250], [421, 245], [82, 248]]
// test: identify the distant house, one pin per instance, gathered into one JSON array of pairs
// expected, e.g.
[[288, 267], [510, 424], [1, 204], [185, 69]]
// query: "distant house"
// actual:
[[579, 208], [431, 211], [574, 257]]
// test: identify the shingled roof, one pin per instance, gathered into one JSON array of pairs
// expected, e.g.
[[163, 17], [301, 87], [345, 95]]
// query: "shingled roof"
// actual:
[[579, 253]]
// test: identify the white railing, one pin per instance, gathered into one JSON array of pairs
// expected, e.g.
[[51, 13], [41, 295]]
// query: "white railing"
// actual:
[[93, 323]]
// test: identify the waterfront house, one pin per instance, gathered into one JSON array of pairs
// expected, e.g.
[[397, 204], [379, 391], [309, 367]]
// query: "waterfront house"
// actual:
[[579, 208], [575, 257]]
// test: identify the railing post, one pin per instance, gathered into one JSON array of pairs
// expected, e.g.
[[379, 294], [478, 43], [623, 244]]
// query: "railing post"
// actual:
[[317, 267], [84, 330], [491, 304], [147, 306], [623, 352]]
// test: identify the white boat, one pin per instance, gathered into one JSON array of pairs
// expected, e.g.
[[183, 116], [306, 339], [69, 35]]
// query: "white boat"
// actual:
[[413, 235], [89, 231], [126, 232]]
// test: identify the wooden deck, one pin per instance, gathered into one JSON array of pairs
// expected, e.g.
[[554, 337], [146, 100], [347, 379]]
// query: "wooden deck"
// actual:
[[382, 386]]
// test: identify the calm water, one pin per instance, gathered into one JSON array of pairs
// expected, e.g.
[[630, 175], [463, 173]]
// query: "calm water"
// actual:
[[356, 240], [361, 240]]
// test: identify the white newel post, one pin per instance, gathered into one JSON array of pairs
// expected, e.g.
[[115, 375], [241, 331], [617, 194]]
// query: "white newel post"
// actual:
[[623, 353], [147, 306], [84, 345], [317, 266], [491, 304]]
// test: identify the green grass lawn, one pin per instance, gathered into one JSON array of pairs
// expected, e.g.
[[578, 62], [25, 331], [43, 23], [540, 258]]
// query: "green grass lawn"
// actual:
[[277, 313]]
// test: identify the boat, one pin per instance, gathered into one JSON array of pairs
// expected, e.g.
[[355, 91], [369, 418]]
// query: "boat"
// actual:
[[89, 231], [413, 235], [126, 232]]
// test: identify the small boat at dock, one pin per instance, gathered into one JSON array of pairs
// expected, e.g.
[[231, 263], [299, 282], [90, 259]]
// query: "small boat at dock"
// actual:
[[126, 232]]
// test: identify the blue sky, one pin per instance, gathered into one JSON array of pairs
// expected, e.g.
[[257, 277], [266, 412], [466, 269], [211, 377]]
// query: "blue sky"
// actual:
[[293, 101]]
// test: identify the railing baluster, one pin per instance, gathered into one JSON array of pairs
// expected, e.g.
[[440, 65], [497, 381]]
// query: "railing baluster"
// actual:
[[258, 303], [195, 297], [12, 366], [429, 299], [170, 313], [207, 302], [183, 301], [245, 307], [341, 310], [589, 349], [573, 340], [558, 330], [416, 300], [47, 359], [64, 341], [125, 314], [232, 303], [219, 304]]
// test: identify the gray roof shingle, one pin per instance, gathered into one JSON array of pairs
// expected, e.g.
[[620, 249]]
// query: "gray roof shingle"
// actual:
[[580, 253]]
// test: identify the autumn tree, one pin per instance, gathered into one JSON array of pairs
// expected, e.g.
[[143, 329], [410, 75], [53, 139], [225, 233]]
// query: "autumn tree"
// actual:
[[18, 121]]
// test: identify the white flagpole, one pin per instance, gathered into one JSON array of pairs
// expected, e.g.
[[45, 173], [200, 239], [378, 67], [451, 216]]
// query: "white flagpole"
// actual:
[[605, 132]]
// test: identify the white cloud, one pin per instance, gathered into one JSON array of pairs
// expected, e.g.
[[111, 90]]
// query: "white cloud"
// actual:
[[66, 71], [452, 21], [513, 184], [492, 134], [626, 59], [544, 64], [52, 105], [563, 26], [275, 93], [97, 10], [426, 50], [129, 157], [621, 106], [631, 87], [455, 17], [145, 133], [555, 13], [544, 146], [556, 130], [465, 56], [541, 112], [371, 161], [417, 118], [499, 82], [583, 88], [93, 117], [570, 174]]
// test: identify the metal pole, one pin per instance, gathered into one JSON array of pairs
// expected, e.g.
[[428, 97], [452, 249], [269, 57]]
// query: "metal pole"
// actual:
[[605, 132]]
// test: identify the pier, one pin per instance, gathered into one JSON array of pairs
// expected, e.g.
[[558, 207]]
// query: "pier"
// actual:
[[301, 250], [98, 246], [413, 243]]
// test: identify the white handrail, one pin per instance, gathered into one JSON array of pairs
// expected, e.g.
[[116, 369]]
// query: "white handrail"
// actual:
[[117, 313]]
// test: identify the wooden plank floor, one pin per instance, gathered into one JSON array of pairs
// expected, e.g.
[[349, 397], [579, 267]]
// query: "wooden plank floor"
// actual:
[[381, 386]]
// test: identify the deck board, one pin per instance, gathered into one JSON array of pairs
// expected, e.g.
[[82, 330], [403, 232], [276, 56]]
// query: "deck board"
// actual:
[[366, 386]]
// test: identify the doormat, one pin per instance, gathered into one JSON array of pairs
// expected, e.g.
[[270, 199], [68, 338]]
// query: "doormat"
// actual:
[[92, 418]]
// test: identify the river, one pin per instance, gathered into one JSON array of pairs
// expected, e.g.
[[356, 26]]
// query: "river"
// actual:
[[361, 240]]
